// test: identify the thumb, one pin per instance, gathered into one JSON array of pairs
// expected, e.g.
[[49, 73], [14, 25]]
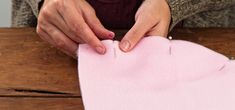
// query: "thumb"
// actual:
[[133, 36]]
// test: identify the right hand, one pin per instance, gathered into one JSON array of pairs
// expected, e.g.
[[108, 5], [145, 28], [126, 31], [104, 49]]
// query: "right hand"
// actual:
[[66, 23]]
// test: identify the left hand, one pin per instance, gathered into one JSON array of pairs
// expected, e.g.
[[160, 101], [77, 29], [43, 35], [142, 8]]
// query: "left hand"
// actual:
[[152, 18]]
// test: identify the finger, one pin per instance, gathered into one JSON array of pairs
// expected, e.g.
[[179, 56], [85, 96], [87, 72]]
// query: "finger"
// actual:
[[134, 35], [77, 24], [60, 40], [59, 22], [44, 36], [95, 24], [99, 29]]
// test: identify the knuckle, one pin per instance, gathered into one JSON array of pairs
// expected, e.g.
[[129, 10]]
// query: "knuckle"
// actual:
[[60, 43], [91, 12], [41, 21], [45, 13], [95, 22], [69, 30], [38, 30], [77, 28], [58, 4], [134, 32], [52, 31]]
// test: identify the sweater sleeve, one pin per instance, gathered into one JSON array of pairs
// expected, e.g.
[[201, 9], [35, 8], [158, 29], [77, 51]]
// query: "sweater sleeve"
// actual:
[[181, 9], [24, 13], [34, 4], [224, 18]]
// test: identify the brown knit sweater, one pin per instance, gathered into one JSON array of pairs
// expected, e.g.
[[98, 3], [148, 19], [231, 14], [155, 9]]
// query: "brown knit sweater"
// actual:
[[195, 13]]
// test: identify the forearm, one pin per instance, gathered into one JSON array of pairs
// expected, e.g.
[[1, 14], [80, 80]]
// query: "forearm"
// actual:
[[181, 9]]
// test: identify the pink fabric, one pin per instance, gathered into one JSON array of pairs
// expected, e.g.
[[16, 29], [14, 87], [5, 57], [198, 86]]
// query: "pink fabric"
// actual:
[[157, 75]]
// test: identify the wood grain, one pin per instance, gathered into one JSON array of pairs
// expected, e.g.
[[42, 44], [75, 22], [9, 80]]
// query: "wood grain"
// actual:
[[30, 66], [36, 76], [19, 103], [218, 39]]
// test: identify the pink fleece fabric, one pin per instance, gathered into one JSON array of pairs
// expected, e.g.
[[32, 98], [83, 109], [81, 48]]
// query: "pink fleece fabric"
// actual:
[[159, 74]]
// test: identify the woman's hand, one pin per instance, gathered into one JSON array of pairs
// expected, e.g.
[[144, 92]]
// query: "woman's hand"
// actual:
[[152, 18], [65, 23]]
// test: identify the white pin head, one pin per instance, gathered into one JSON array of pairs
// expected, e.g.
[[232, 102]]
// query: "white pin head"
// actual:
[[170, 38]]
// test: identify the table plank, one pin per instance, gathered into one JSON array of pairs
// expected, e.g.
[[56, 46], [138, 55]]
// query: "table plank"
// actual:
[[31, 67], [21, 103], [221, 40]]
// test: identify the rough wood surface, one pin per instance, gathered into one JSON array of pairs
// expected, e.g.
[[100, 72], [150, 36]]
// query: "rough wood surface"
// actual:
[[36, 76], [16, 103], [30, 66], [220, 40]]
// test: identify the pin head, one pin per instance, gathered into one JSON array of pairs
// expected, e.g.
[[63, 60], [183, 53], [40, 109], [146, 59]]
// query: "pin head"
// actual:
[[170, 37]]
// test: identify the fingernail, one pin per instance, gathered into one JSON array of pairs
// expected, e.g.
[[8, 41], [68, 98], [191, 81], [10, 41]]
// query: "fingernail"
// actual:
[[111, 35], [125, 45], [100, 50]]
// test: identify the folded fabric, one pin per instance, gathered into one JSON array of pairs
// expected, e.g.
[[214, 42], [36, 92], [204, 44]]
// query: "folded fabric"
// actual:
[[158, 74]]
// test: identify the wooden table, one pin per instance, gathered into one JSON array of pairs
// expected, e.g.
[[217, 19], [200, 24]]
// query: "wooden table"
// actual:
[[35, 76]]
